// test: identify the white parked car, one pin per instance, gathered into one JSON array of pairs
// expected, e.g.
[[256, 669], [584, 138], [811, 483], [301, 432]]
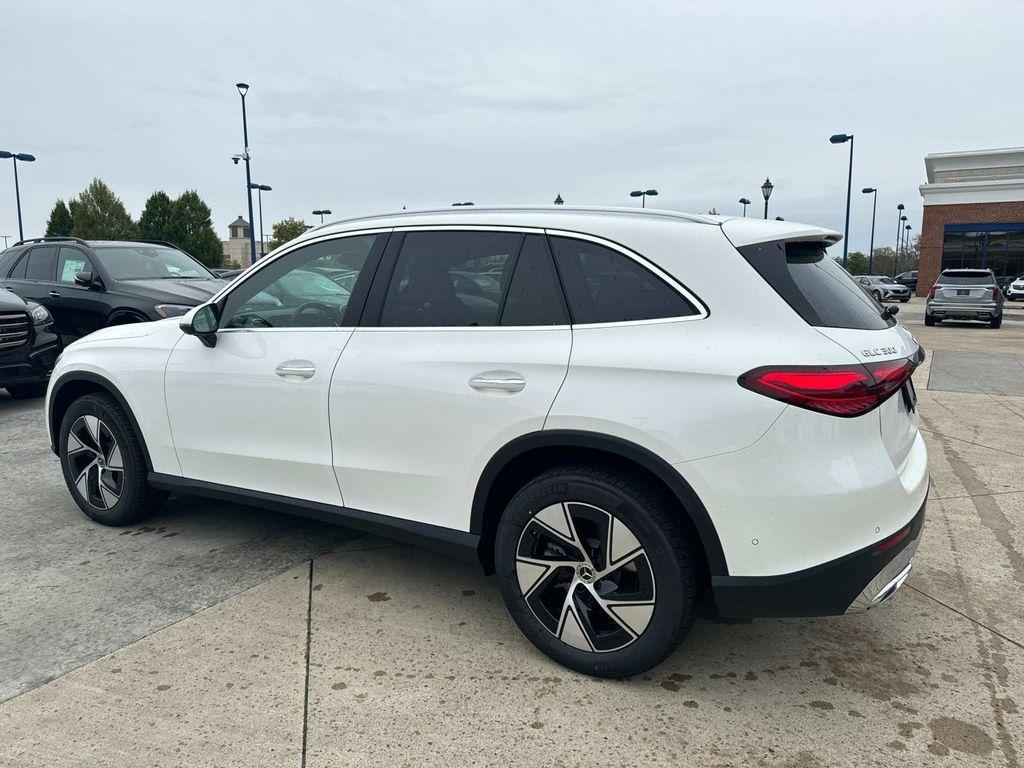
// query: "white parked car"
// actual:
[[620, 412], [1015, 290]]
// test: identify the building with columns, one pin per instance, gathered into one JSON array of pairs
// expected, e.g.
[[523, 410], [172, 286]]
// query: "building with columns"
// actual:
[[236, 247], [973, 213]]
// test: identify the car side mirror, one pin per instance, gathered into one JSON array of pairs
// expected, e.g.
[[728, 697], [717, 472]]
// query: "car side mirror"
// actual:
[[202, 323], [87, 279]]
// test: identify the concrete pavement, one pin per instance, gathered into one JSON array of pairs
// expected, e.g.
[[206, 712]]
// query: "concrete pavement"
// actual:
[[191, 650]]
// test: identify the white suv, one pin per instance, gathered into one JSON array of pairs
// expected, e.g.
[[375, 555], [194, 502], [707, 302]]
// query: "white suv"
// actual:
[[621, 413]]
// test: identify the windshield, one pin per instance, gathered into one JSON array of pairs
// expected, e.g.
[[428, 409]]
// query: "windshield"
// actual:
[[888, 280], [149, 262], [966, 277]]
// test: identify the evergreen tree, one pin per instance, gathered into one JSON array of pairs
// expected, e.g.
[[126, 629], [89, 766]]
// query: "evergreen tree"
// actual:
[[60, 223], [191, 229], [98, 214], [156, 221]]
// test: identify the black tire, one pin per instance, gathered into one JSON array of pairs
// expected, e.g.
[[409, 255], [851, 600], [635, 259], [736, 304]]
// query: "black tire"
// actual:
[[904, 301], [106, 498], [877, 295], [125, 318], [929, 319], [661, 573], [26, 391], [995, 322]]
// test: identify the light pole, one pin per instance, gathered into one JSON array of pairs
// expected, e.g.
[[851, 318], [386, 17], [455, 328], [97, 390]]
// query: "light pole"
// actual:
[[899, 232], [559, 200], [744, 202], [842, 138], [260, 189], [906, 242], [243, 88], [6, 238], [643, 194], [16, 156], [874, 202], [766, 192], [321, 212]]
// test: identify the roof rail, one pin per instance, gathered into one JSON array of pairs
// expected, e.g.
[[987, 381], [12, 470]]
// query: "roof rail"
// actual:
[[151, 241], [51, 240]]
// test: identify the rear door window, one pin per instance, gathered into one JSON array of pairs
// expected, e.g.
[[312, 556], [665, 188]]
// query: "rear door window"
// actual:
[[815, 286], [605, 286], [41, 263], [534, 295]]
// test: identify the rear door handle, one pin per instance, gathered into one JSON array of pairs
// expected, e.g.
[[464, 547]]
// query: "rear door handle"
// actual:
[[499, 381], [297, 369], [54, 294]]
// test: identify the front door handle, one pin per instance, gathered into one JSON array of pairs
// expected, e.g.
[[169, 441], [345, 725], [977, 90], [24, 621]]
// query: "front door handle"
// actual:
[[500, 381], [298, 369], [54, 294]]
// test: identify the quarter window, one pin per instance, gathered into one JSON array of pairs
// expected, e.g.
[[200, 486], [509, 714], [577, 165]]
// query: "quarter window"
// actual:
[[605, 286], [449, 279], [308, 288], [41, 263], [70, 261]]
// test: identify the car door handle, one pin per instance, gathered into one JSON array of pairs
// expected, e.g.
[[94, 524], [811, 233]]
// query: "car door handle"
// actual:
[[299, 369], [500, 381], [54, 294]]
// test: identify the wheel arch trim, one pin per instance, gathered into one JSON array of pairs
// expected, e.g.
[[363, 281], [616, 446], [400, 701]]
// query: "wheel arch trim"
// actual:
[[74, 377], [692, 506]]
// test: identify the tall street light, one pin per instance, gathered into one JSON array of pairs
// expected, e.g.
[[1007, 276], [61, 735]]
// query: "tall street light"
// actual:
[[842, 138], [744, 202], [321, 212], [260, 189], [643, 195], [243, 88], [906, 242], [766, 192], [874, 202], [899, 232], [16, 156]]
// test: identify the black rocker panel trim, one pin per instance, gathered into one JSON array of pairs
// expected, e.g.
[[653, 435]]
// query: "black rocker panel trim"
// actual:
[[617, 446], [447, 541], [822, 590], [73, 377]]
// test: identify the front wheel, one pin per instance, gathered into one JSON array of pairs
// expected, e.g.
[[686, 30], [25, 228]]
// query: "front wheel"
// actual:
[[104, 466], [596, 570]]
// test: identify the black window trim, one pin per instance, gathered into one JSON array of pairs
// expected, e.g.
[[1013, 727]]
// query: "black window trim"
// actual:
[[702, 313]]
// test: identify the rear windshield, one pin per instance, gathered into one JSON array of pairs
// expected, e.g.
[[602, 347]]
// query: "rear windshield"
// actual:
[[966, 277], [815, 286]]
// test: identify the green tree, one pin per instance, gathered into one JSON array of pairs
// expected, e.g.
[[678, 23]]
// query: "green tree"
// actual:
[[191, 229], [98, 214], [856, 263], [286, 230], [156, 221], [60, 223]]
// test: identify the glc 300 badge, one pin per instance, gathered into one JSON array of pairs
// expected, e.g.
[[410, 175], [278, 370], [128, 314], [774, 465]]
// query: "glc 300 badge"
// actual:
[[878, 351]]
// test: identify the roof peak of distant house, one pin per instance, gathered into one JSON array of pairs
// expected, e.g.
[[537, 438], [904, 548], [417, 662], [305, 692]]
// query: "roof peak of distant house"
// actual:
[[239, 222]]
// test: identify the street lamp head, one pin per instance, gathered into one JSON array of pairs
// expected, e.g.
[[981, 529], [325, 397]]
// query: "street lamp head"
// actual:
[[779, 218], [559, 200], [26, 158], [903, 218], [868, 190], [840, 138], [243, 88], [766, 188], [651, 192], [6, 155], [744, 201], [264, 188], [899, 207], [637, 193], [908, 227]]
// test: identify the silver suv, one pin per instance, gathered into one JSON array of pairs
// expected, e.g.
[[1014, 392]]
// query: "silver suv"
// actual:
[[965, 294]]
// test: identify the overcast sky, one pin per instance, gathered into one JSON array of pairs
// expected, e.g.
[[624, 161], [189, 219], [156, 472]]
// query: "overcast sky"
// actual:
[[366, 107]]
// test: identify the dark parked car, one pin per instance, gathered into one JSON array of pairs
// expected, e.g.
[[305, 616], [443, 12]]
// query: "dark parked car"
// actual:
[[90, 285], [908, 279], [28, 346]]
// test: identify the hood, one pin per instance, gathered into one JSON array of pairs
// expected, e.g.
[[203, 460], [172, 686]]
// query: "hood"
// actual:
[[11, 302], [174, 291]]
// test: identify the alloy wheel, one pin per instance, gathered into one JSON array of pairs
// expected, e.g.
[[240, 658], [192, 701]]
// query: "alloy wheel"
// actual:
[[95, 460], [585, 577]]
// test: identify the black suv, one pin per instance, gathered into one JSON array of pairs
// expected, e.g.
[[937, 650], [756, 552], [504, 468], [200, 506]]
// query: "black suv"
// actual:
[[29, 346], [90, 285]]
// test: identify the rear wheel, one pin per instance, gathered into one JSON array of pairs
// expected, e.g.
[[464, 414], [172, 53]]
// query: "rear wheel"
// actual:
[[104, 466], [995, 322], [596, 570], [26, 391], [929, 319]]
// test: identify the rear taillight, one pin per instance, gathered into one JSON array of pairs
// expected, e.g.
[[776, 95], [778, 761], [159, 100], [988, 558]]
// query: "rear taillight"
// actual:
[[931, 293], [995, 293], [843, 390]]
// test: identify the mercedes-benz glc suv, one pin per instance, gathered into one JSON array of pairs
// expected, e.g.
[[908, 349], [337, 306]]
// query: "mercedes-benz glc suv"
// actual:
[[579, 400]]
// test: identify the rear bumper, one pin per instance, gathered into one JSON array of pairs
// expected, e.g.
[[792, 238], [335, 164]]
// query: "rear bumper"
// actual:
[[849, 584], [964, 311]]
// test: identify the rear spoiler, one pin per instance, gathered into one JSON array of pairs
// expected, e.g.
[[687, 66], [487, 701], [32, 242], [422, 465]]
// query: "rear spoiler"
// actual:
[[751, 231]]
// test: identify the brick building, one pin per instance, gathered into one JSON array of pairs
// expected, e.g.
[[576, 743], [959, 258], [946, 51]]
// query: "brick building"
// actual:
[[973, 213]]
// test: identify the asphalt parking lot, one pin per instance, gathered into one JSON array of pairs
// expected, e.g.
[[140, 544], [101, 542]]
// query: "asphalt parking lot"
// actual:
[[220, 635]]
